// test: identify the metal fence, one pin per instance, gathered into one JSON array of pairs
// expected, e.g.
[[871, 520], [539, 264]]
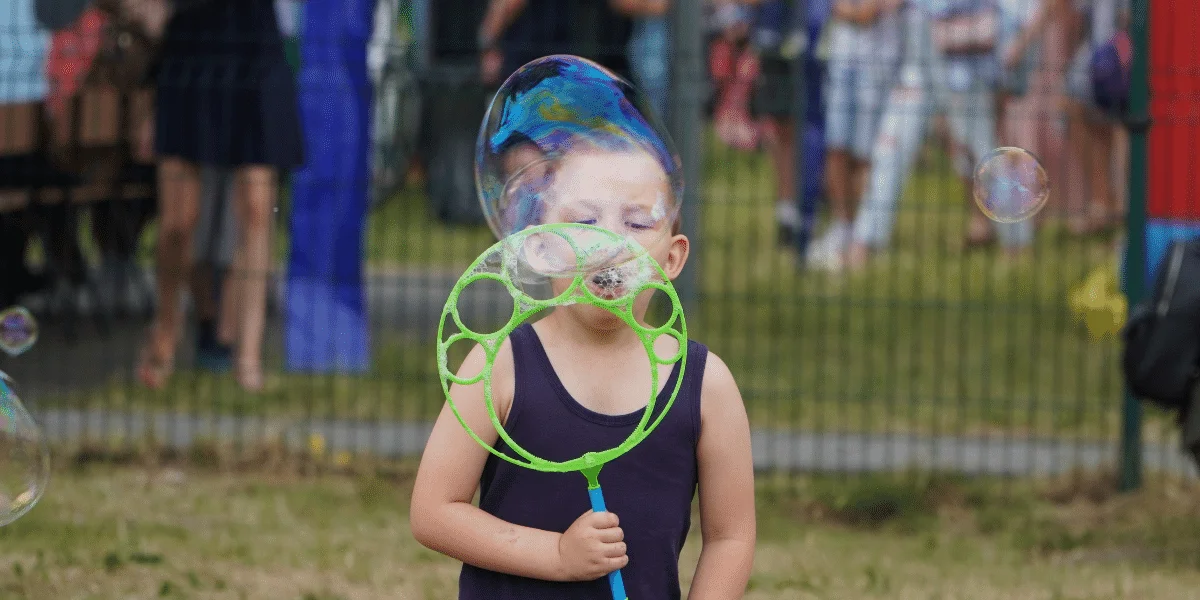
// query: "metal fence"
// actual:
[[936, 353]]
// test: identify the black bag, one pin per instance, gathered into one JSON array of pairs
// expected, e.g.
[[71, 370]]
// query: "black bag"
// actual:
[[1162, 339]]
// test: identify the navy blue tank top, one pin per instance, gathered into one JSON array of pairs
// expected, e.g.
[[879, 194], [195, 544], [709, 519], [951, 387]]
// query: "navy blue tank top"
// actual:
[[650, 488]]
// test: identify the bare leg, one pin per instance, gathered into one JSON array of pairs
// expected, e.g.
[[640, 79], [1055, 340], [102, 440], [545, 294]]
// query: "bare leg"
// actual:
[[179, 201], [838, 183], [1120, 180], [255, 198], [1100, 164], [860, 170], [781, 146], [1085, 148]]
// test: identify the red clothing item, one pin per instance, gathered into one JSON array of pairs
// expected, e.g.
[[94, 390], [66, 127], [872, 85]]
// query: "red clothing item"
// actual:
[[72, 51]]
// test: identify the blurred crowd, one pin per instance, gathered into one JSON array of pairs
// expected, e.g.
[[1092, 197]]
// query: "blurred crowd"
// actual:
[[1049, 76], [885, 81], [186, 111], [196, 101]]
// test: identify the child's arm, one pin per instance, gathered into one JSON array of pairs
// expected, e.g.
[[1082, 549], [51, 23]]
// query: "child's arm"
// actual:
[[443, 518], [727, 520]]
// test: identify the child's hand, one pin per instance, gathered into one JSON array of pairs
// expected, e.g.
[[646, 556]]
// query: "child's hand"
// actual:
[[592, 547]]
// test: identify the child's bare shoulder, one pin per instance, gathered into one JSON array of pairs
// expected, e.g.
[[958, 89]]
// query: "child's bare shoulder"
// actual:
[[718, 390], [503, 374]]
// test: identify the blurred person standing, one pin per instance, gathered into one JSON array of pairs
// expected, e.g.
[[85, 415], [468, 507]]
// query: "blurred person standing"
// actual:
[[1021, 28], [1093, 127], [649, 49], [515, 32], [22, 164], [864, 49], [226, 97], [950, 64], [778, 37], [214, 245], [1036, 119]]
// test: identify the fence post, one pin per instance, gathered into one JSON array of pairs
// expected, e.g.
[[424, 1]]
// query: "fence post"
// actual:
[[686, 122], [800, 20], [1138, 123]]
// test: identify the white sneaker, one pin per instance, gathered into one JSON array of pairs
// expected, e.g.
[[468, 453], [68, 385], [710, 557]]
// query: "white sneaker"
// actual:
[[787, 214], [829, 251]]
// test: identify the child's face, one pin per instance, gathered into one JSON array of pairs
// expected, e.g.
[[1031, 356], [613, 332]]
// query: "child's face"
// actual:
[[626, 193]]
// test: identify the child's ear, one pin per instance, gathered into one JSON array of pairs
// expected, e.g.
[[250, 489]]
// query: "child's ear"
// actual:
[[677, 255]]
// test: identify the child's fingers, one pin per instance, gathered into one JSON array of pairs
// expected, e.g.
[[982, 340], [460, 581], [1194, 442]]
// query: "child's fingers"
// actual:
[[617, 563], [615, 550], [603, 520], [610, 535]]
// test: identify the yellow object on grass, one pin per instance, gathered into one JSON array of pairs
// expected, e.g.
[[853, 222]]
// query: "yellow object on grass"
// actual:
[[1099, 304], [316, 445]]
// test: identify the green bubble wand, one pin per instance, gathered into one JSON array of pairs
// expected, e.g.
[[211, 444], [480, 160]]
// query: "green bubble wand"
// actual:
[[577, 292]]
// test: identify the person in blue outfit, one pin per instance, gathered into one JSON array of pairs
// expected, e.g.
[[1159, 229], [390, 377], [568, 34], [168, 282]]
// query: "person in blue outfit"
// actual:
[[779, 40]]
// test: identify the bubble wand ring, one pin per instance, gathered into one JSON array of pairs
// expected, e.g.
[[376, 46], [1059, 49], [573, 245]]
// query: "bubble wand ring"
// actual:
[[524, 307]]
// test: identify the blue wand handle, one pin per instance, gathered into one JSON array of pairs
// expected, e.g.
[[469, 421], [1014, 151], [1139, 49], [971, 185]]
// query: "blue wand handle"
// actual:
[[614, 579]]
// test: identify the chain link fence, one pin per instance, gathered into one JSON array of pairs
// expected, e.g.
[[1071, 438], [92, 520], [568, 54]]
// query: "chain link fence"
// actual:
[[928, 343]]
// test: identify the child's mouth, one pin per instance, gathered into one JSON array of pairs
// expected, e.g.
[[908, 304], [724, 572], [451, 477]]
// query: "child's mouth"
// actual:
[[608, 284]]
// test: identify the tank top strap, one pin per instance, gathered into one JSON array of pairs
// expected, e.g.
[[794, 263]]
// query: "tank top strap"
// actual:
[[528, 377], [693, 383]]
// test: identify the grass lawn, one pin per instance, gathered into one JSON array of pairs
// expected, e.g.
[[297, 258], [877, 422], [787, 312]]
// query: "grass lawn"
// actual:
[[105, 531], [927, 339]]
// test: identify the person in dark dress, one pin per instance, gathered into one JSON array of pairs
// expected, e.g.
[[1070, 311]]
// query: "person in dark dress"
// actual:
[[226, 97]]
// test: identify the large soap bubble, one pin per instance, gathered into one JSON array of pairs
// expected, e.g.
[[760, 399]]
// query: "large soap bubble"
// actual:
[[567, 141], [24, 456]]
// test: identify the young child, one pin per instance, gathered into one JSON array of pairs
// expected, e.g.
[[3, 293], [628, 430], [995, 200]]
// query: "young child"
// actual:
[[577, 381]]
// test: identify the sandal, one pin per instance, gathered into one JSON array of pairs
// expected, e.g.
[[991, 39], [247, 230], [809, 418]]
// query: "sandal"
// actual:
[[153, 370]]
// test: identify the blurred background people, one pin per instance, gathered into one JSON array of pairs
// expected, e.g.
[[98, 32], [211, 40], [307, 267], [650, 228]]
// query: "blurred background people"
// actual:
[[863, 38], [515, 32], [650, 49], [1093, 129], [950, 65], [226, 97]]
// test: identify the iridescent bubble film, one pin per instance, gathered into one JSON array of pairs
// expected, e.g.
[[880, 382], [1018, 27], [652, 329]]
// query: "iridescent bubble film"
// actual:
[[18, 330], [24, 456], [1011, 185], [566, 140]]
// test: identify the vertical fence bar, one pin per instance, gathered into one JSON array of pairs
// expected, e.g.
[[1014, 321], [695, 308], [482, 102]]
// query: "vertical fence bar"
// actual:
[[686, 122], [800, 20], [1135, 254]]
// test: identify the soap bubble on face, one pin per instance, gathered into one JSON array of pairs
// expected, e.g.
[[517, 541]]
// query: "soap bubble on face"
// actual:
[[567, 141]]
